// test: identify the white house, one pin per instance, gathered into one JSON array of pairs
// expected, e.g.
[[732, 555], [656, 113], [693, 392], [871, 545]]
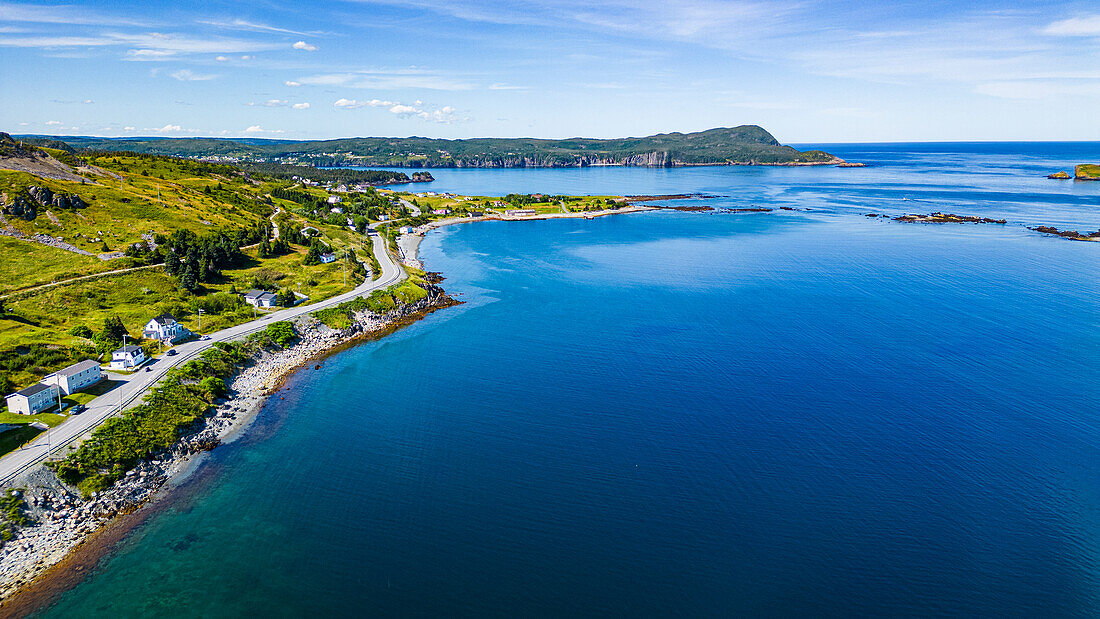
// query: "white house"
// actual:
[[127, 357], [164, 328], [329, 257], [405, 230], [442, 211], [337, 209], [261, 298], [76, 377], [33, 399], [334, 199], [520, 212], [382, 217]]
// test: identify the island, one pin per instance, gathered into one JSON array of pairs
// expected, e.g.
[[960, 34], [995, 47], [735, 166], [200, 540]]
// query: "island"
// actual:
[[741, 145], [1087, 172]]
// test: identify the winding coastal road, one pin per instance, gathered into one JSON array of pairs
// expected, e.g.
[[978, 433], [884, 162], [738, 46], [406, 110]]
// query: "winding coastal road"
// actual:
[[135, 385]]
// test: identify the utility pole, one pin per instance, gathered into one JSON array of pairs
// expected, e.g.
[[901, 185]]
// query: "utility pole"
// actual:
[[200, 319]]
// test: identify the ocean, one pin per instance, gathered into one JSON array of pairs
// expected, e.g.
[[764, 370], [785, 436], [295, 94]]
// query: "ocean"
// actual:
[[805, 412]]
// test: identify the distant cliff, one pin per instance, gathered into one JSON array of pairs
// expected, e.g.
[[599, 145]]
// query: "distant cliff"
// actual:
[[743, 145]]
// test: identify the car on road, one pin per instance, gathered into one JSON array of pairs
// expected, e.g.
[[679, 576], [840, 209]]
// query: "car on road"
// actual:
[[76, 410], [148, 369], [171, 352], [204, 338]]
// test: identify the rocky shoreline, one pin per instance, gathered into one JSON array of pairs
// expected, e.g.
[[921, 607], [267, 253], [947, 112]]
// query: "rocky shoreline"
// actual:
[[61, 520]]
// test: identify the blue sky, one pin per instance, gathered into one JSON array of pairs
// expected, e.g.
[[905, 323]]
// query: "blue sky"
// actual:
[[807, 71]]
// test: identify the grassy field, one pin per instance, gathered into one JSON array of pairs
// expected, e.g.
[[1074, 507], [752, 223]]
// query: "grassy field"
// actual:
[[26, 264]]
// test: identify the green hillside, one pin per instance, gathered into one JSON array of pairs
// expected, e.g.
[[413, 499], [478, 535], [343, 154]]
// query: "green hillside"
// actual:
[[135, 235], [746, 144]]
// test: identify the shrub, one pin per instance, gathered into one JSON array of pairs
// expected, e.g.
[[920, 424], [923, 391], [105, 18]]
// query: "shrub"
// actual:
[[81, 331]]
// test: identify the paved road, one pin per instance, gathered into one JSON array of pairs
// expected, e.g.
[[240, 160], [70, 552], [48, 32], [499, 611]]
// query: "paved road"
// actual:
[[135, 385], [409, 205]]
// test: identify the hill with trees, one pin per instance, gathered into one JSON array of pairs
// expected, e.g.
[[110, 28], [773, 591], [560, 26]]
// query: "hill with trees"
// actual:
[[743, 145]]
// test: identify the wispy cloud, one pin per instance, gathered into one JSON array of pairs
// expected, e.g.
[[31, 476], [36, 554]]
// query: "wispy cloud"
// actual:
[[61, 14], [257, 130], [300, 106], [1083, 26], [292, 83], [187, 75], [243, 24], [381, 79], [270, 103]]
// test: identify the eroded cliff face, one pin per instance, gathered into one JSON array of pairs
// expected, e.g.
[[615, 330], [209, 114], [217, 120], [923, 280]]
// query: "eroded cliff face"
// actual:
[[653, 159]]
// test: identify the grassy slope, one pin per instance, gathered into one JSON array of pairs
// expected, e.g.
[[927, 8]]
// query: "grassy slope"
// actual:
[[28, 264], [1089, 171]]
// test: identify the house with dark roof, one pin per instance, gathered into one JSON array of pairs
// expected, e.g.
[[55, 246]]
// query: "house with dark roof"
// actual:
[[164, 328], [33, 399], [127, 357], [76, 377], [261, 298]]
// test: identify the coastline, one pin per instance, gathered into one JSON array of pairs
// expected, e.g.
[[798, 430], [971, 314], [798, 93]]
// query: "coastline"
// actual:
[[69, 535], [64, 525], [408, 245]]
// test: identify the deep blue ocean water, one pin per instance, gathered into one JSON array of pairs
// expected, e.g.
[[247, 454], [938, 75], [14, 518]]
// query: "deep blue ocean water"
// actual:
[[783, 414]]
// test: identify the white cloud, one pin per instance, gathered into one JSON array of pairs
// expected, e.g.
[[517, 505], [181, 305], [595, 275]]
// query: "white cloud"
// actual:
[[169, 128], [256, 129], [292, 83], [499, 86], [1086, 26], [87, 102], [351, 104], [187, 75], [1039, 89], [53, 122], [383, 79], [67, 14], [129, 128], [270, 103], [446, 114], [304, 46], [241, 24], [300, 106], [221, 59]]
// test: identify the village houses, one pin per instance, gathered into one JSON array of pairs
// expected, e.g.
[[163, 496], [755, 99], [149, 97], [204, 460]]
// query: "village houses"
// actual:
[[32, 400], [127, 357], [76, 377], [165, 328]]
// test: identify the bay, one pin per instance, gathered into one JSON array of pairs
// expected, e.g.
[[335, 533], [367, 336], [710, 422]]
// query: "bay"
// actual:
[[787, 413]]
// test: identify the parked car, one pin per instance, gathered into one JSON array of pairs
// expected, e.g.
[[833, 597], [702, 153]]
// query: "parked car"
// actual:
[[171, 352], [76, 410]]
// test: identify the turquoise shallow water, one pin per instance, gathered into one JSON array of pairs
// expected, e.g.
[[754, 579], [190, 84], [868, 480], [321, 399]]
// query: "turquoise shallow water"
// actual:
[[676, 413]]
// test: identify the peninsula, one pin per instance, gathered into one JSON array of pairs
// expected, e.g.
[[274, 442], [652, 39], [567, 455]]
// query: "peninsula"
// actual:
[[742, 145]]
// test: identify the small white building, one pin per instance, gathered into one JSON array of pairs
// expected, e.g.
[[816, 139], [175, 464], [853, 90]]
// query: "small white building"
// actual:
[[127, 357], [382, 217], [520, 212], [261, 298], [33, 399], [405, 230], [76, 377], [327, 258], [337, 209], [334, 199], [442, 211], [164, 328]]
